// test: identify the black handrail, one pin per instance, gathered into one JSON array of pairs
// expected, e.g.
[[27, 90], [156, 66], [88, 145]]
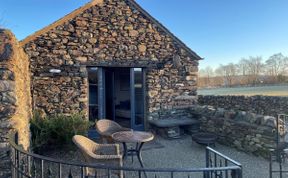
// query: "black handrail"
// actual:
[[224, 156], [17, 155]]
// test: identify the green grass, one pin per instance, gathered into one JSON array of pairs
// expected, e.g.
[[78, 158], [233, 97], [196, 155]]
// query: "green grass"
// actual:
[[247, 91]]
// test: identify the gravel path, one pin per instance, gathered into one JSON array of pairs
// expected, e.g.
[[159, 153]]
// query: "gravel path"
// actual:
[[183, 153]]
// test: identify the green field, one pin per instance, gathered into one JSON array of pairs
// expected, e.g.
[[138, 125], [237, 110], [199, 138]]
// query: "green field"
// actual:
[[247, 91]]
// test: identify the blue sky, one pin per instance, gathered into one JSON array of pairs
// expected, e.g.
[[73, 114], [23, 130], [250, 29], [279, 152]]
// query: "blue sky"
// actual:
[[221, 31]]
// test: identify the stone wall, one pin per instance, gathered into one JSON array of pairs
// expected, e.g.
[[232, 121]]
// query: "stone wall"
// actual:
[[265, 105], [112, 33], [245, 131], [15, 98]]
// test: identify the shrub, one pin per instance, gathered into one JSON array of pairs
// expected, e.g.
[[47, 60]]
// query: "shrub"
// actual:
[[56, 130]]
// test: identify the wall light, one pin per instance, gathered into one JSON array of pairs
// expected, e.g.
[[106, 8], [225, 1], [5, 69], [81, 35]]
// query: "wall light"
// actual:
[[55, 71]]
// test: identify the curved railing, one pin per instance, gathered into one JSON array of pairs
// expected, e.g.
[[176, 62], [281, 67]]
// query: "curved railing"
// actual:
[[30, 165]]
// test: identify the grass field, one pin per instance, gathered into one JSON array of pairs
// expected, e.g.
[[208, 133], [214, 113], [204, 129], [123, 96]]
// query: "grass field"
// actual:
[[247, 91]]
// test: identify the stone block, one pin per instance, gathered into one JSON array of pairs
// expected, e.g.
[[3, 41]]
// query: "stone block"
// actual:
[[6, 52], [81, 59], [133, 33], [142, 48], [81, 23], [6, 74], [4, 146], [189, 78], [92, 40], [6, 111], [8, 97], [229, 114], [269, 121], [6, 85]]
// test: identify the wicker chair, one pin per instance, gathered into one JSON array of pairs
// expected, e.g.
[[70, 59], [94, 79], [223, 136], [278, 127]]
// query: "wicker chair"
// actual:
[[107, 127], [103, 154]]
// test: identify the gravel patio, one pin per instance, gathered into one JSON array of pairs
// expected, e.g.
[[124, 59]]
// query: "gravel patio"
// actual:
[[182, 153]]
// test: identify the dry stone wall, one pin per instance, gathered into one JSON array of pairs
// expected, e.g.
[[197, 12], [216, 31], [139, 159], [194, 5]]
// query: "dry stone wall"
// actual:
[[245, 131], [265, 105], [114, 34], [15, 98]]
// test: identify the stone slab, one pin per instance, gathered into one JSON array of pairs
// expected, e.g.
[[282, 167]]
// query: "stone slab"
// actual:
[[173, 122]]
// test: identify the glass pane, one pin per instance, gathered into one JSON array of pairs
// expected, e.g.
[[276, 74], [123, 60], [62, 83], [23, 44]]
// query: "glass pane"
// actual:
[[139, 98], [93, 93]]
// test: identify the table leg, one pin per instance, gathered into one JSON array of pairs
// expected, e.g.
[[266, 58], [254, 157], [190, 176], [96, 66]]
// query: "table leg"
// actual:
[[125, 150], [139, 156]]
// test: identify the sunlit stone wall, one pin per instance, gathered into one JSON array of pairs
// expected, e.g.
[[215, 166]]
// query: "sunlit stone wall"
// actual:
[[112, 33], [15, 98]]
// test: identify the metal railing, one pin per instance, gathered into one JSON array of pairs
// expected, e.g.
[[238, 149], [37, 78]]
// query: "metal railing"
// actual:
[[30, 165], [279, 155]]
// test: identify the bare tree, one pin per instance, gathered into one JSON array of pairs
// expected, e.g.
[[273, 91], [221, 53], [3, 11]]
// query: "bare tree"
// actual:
[[229, 73], [242, 71], [219, 76], [206, 75], [276, 66], [247, 71], [286, 66], [255, 67], [242, 66]]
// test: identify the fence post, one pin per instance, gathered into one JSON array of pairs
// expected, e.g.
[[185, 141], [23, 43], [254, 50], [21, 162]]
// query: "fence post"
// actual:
[[236, 173], [207, 154], [270, 163], [240, 172]]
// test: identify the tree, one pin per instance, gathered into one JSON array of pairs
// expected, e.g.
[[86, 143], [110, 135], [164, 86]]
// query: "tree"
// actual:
[[247, 71], [242, 67], [276, 66], [242, 71], [206, 75], [254, 68], [229, 71]]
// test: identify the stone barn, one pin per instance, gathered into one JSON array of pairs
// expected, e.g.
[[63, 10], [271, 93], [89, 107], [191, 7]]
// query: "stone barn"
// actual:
[[111, 59]]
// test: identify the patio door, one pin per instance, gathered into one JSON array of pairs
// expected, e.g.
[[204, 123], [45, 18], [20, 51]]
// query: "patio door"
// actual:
[[117, 87], [137, 95]]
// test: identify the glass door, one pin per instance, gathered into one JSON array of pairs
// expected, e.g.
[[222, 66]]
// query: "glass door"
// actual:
[[109, 94], [137, 92], [93, 93], [101, 93]]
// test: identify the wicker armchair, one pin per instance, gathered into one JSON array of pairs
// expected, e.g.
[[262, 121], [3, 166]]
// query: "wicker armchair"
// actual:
[[107, 127], [103, 154]]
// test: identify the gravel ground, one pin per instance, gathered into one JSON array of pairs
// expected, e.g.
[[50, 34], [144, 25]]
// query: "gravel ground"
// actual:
[[184, 153]]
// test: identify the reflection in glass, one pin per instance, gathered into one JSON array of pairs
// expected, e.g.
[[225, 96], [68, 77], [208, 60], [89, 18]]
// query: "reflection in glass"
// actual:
[[93, 93], [139, 98]]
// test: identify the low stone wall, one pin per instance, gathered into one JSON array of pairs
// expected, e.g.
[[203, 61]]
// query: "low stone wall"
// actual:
[[265, 105], [15, 98], [245, 131], [174, 113]]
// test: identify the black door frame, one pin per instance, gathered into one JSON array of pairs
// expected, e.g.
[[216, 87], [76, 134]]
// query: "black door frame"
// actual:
[[102, 96], [101, 93], [111, 92], [132, 99]]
